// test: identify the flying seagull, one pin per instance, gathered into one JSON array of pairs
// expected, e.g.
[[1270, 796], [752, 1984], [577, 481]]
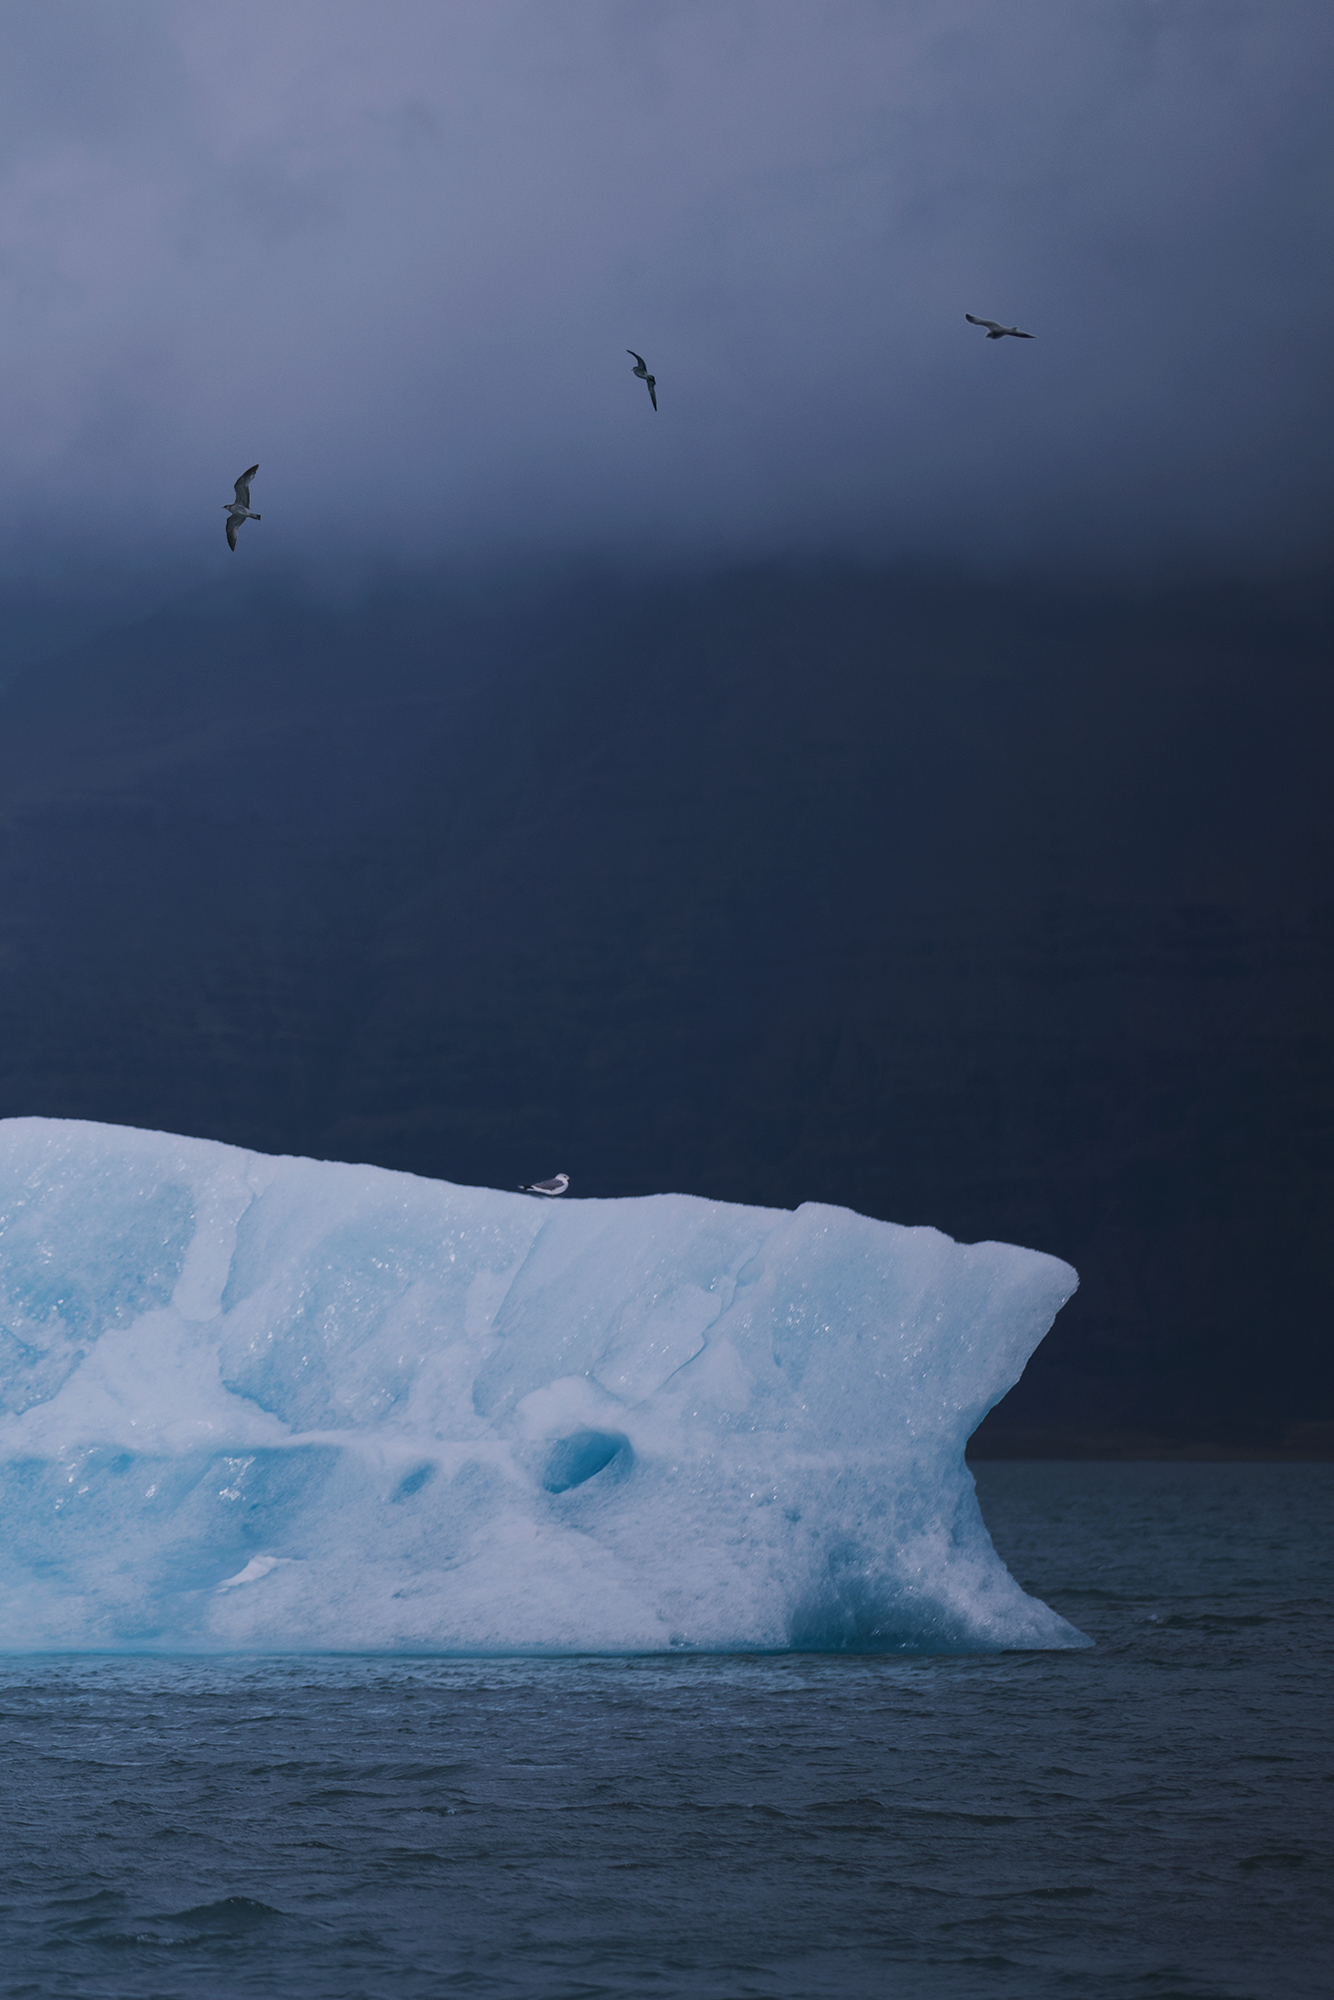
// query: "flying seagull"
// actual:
[[562, 1181], [998, 332], [238, 510], [641, 370]]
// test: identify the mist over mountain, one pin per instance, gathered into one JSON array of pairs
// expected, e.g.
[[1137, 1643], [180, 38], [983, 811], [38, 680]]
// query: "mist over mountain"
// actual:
[[1003, 910]]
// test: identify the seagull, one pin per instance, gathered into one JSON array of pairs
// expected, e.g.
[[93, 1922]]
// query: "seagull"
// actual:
[[562, 1181], [641, 370], [997, 331], [238, 510]]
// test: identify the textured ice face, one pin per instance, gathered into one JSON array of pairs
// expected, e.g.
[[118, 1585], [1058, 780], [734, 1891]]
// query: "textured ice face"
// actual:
[[254, 1402]]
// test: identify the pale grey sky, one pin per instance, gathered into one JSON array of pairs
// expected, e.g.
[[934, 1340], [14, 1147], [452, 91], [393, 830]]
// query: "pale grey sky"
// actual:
[[396, 252]]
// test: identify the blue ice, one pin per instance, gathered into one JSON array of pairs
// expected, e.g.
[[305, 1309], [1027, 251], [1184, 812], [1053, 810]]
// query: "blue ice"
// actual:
[[249, 1402]]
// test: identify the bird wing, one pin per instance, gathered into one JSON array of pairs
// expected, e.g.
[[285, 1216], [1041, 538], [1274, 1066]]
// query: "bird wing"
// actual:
[[639, 358], [243, 486], [1019, 334], [653, 390], [972, 320], [232, 525]]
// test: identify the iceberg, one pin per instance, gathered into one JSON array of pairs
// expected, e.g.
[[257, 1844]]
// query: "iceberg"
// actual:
[[285, 1404]]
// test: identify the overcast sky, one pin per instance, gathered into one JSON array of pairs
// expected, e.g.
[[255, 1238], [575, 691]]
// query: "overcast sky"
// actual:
[[396, 249]]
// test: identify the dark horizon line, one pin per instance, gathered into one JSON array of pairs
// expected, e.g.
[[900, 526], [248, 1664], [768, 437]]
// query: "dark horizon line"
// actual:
[[1301, 1444]]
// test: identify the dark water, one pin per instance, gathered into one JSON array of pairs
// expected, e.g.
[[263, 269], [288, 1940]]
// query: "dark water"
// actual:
[[1150, 1818]]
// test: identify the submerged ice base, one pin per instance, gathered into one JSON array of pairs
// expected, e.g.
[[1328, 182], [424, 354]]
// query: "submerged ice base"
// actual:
[[282, 1403]]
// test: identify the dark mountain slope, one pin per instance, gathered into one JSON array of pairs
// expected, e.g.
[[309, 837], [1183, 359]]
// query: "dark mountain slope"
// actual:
[[1002, 912]]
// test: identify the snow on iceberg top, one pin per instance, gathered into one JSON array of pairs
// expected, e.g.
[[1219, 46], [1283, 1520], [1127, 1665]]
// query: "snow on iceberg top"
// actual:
[[291, 1403]]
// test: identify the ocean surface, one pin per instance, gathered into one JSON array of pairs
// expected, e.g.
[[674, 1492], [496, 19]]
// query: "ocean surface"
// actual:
[[1150, 1818]]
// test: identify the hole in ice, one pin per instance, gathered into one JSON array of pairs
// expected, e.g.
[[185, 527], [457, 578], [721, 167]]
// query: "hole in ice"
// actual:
[[574, 1459], [413, 1481]]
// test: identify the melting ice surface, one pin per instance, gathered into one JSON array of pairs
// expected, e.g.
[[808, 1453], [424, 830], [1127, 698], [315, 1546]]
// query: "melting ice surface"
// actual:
[[280, 1403]]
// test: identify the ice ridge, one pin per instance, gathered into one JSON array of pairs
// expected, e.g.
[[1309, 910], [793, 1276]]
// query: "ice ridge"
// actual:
[[249, 1402]]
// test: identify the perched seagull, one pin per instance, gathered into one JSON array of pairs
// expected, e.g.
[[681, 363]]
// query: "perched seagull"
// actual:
[[238, 510], [561, 1182], [997, 331], [641, 370]]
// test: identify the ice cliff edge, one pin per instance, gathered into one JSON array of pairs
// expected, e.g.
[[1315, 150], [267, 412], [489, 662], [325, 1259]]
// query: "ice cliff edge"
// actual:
[[283, 1403]]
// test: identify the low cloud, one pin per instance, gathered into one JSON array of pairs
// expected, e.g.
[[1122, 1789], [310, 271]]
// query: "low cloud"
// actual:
[[397, 255]]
